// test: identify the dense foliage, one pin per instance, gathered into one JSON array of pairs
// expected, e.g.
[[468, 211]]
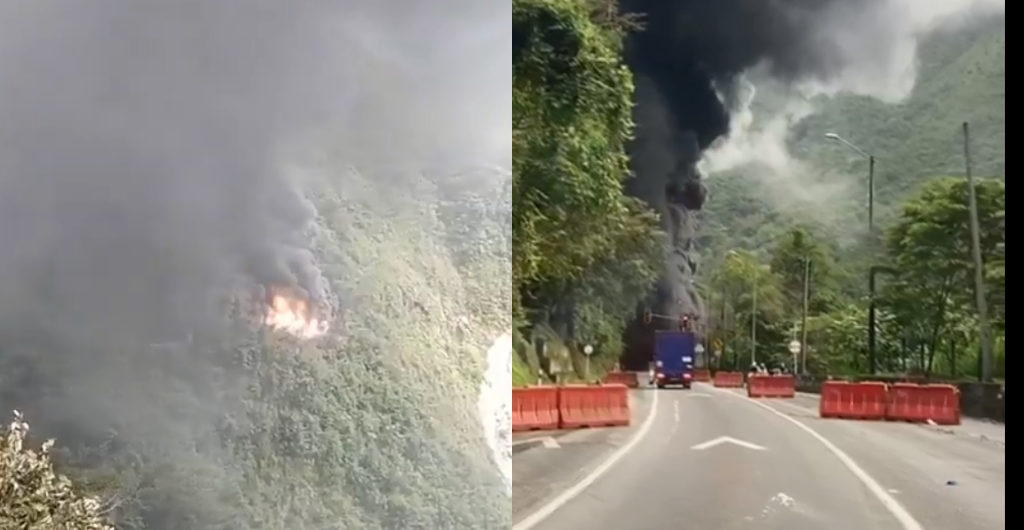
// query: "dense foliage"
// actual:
[[962, 77], [927, 319], [584, 253], [33, 495], [240, 428], [927, 322]]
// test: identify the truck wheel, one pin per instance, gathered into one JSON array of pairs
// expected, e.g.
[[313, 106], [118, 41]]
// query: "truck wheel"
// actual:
[[661, 387]]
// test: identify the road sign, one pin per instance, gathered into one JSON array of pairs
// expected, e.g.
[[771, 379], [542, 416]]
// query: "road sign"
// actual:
[[588, 350], [719, 344], [795, 347], [699, 350], [727, 440]]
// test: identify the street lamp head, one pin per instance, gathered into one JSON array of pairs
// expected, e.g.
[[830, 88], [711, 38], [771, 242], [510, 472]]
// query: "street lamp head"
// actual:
[[834, 137]]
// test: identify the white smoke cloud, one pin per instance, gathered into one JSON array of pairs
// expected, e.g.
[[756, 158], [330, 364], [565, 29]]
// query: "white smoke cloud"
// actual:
[[880, 46], [879, 57]]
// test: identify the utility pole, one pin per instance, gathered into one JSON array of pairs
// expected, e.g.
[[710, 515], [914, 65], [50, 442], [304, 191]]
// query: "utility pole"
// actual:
[[872, 283], [753, 321], [979, 264], [724, 330], [803, 326]]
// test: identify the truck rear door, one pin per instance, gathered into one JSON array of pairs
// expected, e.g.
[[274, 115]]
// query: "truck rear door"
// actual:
[[674, 354]]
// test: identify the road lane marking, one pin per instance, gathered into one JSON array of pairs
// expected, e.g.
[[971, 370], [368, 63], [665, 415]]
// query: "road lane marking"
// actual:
[[727, 440], [905, 519], [678, 415], [547, 441], [566, 497]]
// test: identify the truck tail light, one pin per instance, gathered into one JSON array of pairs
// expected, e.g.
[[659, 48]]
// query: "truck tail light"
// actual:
[[659, 364]]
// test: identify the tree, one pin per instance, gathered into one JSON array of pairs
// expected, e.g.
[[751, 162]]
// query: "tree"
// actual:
[[33, 495], [790, 255], [750, 294], [584, 254], [930, 247]]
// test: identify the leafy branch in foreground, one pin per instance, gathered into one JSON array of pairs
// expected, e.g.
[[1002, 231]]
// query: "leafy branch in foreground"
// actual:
[[33, 496]]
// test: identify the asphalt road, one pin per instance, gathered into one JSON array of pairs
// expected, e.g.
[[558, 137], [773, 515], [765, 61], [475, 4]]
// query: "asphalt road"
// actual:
[[775, 465]]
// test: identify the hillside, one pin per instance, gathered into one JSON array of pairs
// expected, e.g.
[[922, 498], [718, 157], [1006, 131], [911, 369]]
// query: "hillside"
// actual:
[[165, 323], [962, 78]]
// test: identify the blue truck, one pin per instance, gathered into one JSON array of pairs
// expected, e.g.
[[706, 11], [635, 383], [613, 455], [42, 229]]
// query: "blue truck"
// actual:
[[674, 356]]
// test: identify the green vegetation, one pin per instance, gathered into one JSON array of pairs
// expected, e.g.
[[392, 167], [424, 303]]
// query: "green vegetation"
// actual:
[[33, 495], [521, 373], [584, 253], [247, 429], [962, 77], [927, 321]]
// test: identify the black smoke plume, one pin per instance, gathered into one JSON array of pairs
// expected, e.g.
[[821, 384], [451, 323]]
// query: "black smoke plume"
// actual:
[[688, 60]]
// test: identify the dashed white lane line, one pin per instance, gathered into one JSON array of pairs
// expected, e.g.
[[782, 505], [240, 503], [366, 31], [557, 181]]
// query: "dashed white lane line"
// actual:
[[906, 520], [550, 508]]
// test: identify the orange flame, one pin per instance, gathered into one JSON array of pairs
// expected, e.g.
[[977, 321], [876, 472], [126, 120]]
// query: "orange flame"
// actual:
[[291, 314]]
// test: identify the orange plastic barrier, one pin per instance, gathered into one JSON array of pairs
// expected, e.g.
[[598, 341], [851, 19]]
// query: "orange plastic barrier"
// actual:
[[627, 379], [729, 380], [939, 404], [854, 401], [772, 386], [584, 407], [535, 409], [702, 376]]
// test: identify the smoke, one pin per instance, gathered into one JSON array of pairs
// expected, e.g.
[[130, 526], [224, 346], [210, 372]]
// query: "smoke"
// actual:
[[693, 60], [140, 153], [147, 165]]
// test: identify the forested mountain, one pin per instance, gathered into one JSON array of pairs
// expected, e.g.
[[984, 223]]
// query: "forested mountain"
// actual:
[[761, 226], [180, 222], [962, 77]]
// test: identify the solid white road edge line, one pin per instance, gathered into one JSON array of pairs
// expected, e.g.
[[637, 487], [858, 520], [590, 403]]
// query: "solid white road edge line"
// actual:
[[906, 520], [566, 497]]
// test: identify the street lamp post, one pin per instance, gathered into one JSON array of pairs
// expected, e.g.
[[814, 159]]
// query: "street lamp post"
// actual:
[[753, 320], [872, 284]]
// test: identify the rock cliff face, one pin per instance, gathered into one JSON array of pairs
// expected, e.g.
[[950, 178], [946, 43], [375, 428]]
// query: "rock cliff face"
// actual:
[[496, 404]]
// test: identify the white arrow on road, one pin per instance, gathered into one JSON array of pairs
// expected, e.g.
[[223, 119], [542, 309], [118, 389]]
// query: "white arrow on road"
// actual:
[[727, 440], [548, 442]]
